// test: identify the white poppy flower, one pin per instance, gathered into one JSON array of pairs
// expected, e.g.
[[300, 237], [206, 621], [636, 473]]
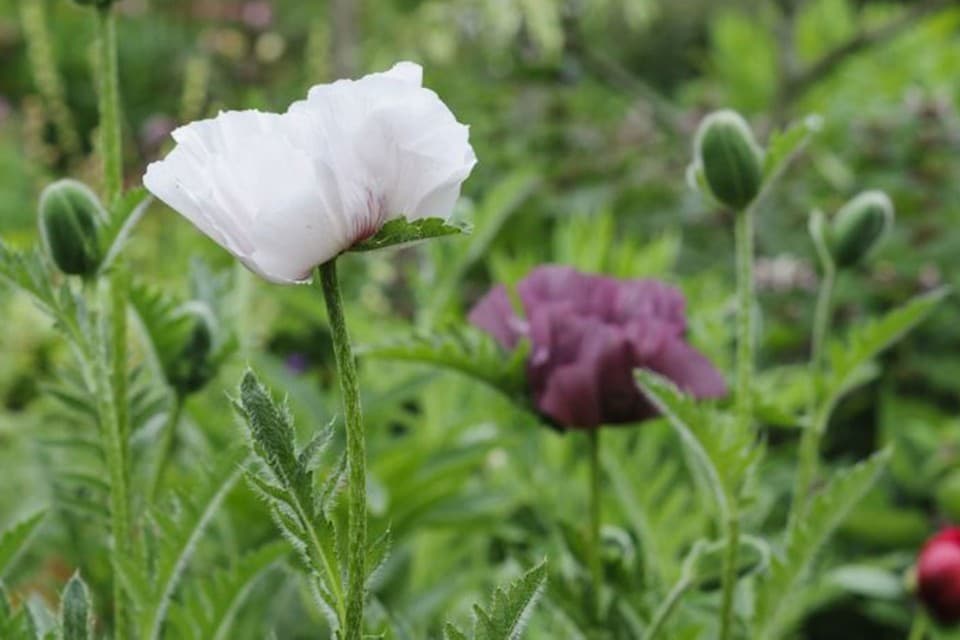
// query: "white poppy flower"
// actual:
[[287, 192]]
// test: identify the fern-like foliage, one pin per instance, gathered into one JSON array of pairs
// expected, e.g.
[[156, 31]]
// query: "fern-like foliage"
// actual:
[[285, 481], [16, 538], [175, 530], [851, 360], [210, 604], [509, 610], [76, 621], [784, 145], [727, 453], [805, 537], [463, 349]]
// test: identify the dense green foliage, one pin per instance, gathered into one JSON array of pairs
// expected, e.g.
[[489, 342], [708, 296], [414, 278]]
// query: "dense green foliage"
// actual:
[[583, 115]]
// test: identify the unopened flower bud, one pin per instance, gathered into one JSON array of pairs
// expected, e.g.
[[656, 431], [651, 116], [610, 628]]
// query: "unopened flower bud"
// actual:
[[729, 158], [860, 226], [194, 366], [70, 221], [99, 4], [938, 576]]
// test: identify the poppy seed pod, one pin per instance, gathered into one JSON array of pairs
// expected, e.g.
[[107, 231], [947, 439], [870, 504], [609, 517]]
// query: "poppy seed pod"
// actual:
[[193, 367], [938, 576], [729, 158], [70, 221], [860, 226]]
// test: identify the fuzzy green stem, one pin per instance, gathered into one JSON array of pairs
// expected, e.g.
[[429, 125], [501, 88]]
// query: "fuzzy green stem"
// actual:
[[356, 450], [744, 401], [820, 409], [919, 628], [109, 361], [595, 542], [745, 332], [111, 150], [666, 608]]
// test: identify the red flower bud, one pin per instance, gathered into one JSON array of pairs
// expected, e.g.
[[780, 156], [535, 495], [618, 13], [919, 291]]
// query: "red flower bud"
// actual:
[[938, 576]]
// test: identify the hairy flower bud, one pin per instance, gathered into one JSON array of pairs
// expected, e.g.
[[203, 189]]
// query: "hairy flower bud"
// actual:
[[193, 366], [860, 226], [938, 576], [70, 221], [729, 158]]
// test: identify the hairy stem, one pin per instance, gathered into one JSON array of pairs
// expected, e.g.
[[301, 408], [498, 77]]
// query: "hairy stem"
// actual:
[[819, 410], [356, 450], [744, 401], [595, 542], [109, 105], [666, 608]]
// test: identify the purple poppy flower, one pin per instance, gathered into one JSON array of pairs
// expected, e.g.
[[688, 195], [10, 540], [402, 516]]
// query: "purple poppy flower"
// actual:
[[588, 333]]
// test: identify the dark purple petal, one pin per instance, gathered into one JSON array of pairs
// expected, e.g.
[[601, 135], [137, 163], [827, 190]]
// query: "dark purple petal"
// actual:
[[588, 334]]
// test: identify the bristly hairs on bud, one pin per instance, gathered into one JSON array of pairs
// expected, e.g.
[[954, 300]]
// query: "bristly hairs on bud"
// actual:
[[860, 227], [71, 219]]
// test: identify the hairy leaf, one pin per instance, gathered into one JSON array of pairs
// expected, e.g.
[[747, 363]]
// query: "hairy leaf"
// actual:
[[784, 145], [403, 231], [14, 539], [805, 537], [463, 349], [726, 453], [124, 216], [211, 603], [849, 360], [76, 622], [510, 608]]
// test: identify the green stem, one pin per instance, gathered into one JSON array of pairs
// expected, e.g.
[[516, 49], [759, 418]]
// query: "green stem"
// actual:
[[744, 401], [163, 448], [356, 450], [109, 105], [919, 628], [595, 542], [667, 607], [809, 453], [745, 332], [108, 355]]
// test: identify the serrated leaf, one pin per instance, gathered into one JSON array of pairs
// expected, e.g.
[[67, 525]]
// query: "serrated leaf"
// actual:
[[403, 231], [212, 602], [76, 622], [725, 452], [785, 144], [15, 539], [463, 349], [805, 537], [865, 342], [450, 632], [510, 608]]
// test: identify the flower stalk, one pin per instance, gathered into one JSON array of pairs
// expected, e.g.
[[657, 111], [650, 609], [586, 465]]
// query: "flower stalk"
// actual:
[[356, 449], [595, 542], [109, 104]]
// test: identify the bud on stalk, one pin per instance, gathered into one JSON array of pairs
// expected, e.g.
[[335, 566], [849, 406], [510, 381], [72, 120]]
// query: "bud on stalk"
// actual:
[[71, 218], [860, 227], [729, 159]]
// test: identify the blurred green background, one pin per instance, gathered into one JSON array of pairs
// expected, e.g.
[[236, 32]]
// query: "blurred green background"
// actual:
[[582, 114]]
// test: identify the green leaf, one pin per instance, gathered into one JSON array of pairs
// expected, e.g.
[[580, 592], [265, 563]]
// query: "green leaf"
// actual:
[[850, 360], [16, 624], [14, 539], [403, 231], [464, 349], [450, 632], [76, 622], [726, 453], [510, 608], [211, 603], [271, 429], [176, 530], [124, 216], [784, 145], [805, 537]]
